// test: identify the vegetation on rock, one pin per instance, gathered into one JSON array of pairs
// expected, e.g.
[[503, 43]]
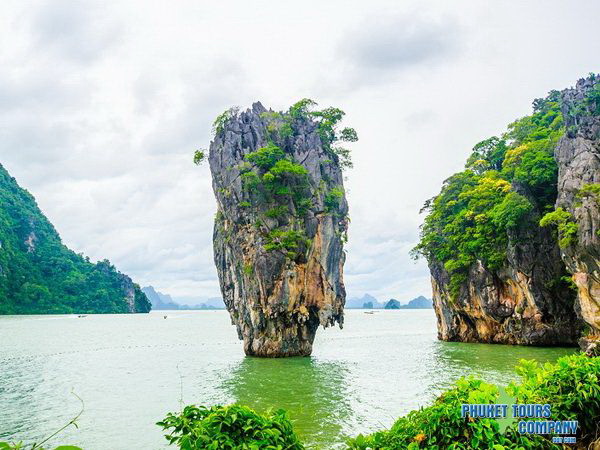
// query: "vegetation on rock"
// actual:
[[281, 223], [271, 176], [506, 179]]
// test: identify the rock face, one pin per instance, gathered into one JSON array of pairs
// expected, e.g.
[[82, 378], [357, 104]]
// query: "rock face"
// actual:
[[519, 304], [279, 230], [524, 302], [578, 158]]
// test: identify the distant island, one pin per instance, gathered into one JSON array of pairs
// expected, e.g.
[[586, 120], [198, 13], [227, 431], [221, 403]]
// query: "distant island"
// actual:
[[367, 301], [416, 303], [165, 302]]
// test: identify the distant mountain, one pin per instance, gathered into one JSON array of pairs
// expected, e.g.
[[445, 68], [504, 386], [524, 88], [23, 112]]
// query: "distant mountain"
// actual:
[[40, 275], [392, 304], [365, 302], [419, 303], [215, 302], [162, 301], [416, 303], [158, 299]]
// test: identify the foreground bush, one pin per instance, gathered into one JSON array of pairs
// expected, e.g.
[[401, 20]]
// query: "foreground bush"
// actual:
[[230, 427], [571, 386], [441, 425]]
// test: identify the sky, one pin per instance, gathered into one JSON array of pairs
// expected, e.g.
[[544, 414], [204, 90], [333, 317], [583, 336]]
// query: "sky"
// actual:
[[102, 105]]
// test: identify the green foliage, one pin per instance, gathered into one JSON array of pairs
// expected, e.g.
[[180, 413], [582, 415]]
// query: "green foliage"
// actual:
[[277, 211], [328, 120], [301, 109], [251, 181], [285, 167], [277, 186], [487, 155], [229, 427], [593, 99], [462, 226], [510, 212], [248, 269], [279, 180], [290, 242], [40, 275], [221, 120], [591, 191], [440, 426], [571, 386], [278, 125], [469, 220], [333, 198], [348, 135], [265, 157], [567, 227], [199, 157]]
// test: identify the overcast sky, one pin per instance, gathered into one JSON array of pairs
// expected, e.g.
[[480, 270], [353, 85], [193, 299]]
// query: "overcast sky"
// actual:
[[102, 105]]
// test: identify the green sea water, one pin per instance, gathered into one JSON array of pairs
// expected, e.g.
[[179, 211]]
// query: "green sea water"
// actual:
[[130, 370]]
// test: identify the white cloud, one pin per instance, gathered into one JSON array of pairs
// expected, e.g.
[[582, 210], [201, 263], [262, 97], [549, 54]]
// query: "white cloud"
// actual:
[[103, 104]]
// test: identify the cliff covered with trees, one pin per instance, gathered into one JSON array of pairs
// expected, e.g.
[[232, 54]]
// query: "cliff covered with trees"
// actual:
[[498, 235], [281, 223], [40, 275]]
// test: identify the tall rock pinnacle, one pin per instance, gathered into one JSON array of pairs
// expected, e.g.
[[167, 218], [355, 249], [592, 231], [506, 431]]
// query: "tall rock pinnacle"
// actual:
[[281, 224], [578, 158]]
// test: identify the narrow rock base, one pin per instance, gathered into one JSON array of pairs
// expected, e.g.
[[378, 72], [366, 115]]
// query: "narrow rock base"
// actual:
[[282, 342]]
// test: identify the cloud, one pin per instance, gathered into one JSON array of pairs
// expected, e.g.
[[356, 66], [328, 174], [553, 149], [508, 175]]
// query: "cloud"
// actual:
[[103, 103], [78, 31], [400, 43], [384, 47]]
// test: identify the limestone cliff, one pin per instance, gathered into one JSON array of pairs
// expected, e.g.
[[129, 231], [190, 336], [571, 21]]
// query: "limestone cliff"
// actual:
[[578, 158], [504, 236], [521, 303], [280, 227]]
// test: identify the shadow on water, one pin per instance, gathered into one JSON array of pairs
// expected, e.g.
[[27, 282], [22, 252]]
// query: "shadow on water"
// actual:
[[312, 392]]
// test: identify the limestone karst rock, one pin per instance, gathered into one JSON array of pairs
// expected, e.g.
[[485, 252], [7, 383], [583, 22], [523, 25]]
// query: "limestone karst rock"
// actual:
[[578, 158], [517, 304], [512, 279], [280, 226]]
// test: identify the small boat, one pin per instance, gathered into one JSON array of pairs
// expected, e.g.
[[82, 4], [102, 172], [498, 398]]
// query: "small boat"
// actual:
[[369, 312], [81, 316]]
